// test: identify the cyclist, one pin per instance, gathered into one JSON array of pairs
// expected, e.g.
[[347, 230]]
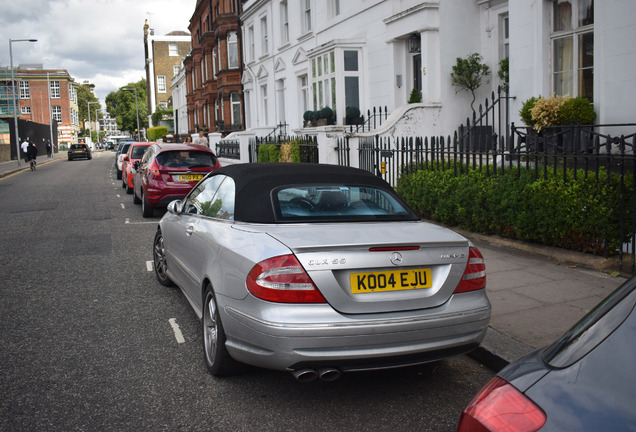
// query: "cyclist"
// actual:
[[32, 152]]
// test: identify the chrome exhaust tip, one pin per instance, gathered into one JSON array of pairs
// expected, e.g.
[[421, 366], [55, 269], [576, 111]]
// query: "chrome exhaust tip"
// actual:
[[305, 375], [329, 374]]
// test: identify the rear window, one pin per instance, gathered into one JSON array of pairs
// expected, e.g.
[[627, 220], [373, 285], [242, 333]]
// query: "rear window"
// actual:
[[138, 152], [186, 159], [338, 202], [78, 146]]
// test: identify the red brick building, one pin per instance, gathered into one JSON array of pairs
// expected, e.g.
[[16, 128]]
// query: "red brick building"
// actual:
[[36, 84], [214, 67]]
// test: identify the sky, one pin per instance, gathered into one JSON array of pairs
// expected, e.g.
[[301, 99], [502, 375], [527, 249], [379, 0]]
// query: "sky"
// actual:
[[101, 41]]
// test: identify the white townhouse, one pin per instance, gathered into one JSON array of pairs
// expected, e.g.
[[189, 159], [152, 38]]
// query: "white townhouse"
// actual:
[[304, 55], [179, 101]]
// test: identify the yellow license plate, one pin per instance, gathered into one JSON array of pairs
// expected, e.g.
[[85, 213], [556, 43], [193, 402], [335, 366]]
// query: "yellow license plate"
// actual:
[[189, 177], [394, 280]]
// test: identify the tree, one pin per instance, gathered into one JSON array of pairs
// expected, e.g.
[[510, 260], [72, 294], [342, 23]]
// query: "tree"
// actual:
[[468, 73], [121, 106], [84, 96]]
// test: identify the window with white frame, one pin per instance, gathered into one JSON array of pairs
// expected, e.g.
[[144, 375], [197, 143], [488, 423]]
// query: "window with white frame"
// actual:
[[304, 93], [235, 101], [284, 23], [573, 48], [504, 26], [55, 89], [57, 113], [264, 37], [161, 83], [323, 73], [232, 50], [25, 110], [250, 43], [334, 8], [25, 90], [75, 117], [175, 70], [173, 50], [306, 18], [264, 109], [204, 76], [214, 61], [351, 61]]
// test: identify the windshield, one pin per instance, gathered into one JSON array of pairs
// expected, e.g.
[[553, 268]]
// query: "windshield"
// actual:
[[338, 202], [138, 152], [186, 159]]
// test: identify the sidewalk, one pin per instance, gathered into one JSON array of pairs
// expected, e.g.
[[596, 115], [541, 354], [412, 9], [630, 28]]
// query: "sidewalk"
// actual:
[[11, 167], [537, 293]]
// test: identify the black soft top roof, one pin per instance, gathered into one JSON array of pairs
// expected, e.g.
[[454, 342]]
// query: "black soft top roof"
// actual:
[[254, 183]]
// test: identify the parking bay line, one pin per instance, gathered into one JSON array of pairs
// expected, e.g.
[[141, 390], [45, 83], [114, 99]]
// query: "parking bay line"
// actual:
[[139, 223], [177, 331], [149, 266]]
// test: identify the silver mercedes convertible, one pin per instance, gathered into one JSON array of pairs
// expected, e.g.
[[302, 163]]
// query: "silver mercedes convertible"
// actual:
[[318, 270]]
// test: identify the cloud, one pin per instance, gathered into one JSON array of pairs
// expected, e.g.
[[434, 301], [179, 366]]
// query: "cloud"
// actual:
[[96, 40]]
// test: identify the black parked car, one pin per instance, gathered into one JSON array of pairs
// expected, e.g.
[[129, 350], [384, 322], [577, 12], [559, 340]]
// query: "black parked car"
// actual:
[[79, 151], [585, 381]]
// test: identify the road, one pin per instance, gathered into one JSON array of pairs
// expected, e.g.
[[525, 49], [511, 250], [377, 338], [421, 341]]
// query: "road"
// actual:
[[91, 341]]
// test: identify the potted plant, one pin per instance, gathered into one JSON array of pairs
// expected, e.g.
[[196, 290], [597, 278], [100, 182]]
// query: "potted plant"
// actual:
[[468, 74], [415, 97], [353, 116]]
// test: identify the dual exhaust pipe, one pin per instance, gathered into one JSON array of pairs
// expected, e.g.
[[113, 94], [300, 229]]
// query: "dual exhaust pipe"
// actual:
[[324, 374]]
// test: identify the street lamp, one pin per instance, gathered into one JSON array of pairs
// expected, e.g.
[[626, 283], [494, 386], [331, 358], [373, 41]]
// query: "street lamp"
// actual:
[[136, 107], [15, 108], [89, 119]]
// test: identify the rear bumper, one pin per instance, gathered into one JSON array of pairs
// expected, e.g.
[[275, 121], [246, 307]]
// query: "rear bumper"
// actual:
[[325, 338]]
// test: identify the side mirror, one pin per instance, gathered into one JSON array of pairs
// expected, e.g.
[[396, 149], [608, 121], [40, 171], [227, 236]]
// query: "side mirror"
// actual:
[[126, 157], [174, 207]]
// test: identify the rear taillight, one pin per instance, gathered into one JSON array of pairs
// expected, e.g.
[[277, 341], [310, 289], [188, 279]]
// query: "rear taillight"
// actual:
[[283, 280], [501, 407], [474, 276], [153, 168]]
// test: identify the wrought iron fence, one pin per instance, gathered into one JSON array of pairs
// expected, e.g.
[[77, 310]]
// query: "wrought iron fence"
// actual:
[[229, 149], [307, 147], [374, 120]]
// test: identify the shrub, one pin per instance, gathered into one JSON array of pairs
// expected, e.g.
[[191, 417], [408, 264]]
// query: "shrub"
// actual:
[[154, 133], [308, 116], [468, 74], [576, 110], [503, 73], [289, 152], [326, 113], [353, 112], [581, 213], [268, 153], [416, 96], [525, 113], [545, 111]]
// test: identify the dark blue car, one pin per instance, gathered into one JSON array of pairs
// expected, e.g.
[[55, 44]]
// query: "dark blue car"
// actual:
[[585, 381]]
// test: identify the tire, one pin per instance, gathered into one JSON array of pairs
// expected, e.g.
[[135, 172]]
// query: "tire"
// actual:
[[159, 259], [217, 358], [136, 199], [118, 175], [146, 210], [123, 184], [69, 159], [129, 190]]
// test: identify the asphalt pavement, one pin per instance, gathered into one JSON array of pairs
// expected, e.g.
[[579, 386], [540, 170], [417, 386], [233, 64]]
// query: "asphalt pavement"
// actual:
[[537, 293]]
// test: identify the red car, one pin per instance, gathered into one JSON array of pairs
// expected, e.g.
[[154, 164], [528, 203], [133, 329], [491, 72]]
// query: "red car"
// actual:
[[134, 154], [167, 172]]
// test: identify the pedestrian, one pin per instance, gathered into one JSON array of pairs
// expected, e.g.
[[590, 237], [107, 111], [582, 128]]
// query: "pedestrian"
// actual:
[[49, 149], [25, 146], [188, 139], [32, 152], [201, 139]]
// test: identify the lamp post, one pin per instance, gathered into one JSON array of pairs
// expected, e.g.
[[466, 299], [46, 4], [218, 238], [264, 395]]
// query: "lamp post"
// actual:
[[15, 108], [89, 119], [136, 107]]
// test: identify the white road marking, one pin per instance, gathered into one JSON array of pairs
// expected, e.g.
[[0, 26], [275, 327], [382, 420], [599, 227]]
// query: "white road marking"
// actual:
[[122, 205], [118, 196], [177, 331], [149, 266]]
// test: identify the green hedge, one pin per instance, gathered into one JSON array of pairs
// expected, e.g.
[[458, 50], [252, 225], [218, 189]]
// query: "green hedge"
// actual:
[[581, 214], [155, 133]]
